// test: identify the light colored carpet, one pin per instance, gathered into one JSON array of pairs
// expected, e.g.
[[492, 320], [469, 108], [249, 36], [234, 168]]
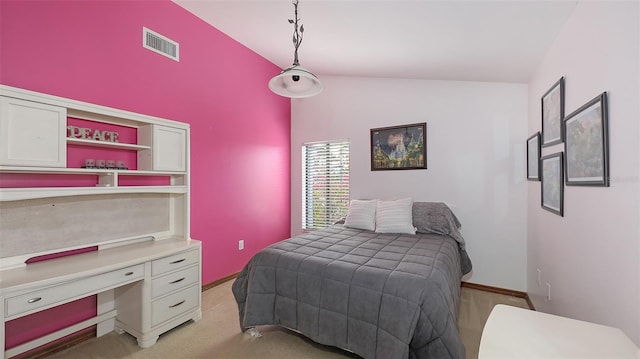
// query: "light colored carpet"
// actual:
[[217, 334]]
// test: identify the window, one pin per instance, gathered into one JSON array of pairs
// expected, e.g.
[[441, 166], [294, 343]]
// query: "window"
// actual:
[[325, 183]]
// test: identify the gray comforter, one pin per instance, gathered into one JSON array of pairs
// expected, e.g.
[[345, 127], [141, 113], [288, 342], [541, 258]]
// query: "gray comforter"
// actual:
[[378, 295]]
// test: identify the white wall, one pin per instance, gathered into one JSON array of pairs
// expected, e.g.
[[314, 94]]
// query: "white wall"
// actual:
[[591, 257], [475, 157]]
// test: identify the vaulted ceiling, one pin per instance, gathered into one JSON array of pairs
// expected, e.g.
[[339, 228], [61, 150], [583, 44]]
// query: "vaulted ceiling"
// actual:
[[497, 41]]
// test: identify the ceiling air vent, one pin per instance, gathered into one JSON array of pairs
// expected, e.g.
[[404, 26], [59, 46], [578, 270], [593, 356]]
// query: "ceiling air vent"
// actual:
[[160, 44]]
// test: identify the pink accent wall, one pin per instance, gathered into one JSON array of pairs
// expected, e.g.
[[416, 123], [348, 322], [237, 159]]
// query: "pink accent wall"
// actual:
[[240, 131], [35, 325]]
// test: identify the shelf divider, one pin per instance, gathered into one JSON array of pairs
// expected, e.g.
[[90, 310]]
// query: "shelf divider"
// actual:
[[93, 143], [18, 194]]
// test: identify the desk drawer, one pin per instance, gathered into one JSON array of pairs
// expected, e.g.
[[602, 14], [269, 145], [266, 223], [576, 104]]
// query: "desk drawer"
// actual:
[[72, 290], [176, 261], [174, 304], [176, 280]]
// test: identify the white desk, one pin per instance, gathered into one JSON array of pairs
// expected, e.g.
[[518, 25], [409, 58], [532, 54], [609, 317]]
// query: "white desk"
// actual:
[[512, 332], [144, 289]]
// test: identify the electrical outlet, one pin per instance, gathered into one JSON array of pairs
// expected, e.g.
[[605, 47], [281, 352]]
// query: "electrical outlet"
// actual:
[[548, 292], [241, 244], [539, 277]]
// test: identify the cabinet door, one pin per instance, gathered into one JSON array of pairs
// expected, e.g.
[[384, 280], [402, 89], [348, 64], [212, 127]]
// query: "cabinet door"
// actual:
[[168, 148], [32, 134]]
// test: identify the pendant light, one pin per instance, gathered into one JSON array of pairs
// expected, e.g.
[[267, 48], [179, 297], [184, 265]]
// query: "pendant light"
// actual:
[[296, 81]]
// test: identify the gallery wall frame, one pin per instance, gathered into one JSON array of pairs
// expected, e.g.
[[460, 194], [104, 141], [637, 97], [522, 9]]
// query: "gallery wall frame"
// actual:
[[552, 183], [586, 144], [552, 114], [399, 147], [533, 157]]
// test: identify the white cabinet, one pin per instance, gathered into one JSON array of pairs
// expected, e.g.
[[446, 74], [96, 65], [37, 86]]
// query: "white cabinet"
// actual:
[[173, 291], [183, 284], [168, 148], [32, 133], [147, 277], [33, 140]]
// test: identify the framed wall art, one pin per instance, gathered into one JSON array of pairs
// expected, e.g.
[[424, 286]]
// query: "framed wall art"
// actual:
[[552, 191], [552, 114], [587, 145], [399, 147], [533, 157]]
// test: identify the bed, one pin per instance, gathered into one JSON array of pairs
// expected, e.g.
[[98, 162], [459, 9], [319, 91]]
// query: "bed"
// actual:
[[378, 295]]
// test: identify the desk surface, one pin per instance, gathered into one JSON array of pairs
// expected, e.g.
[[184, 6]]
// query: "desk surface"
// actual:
[[68, 268], [512, 332]]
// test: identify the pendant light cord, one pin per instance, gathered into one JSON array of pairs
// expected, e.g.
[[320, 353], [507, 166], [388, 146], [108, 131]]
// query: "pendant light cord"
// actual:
[[297, 36]]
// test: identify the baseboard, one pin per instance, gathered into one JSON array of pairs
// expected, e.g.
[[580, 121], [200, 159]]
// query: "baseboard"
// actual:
[[60, 345], [219, 281], [486, 288], [511, 292]]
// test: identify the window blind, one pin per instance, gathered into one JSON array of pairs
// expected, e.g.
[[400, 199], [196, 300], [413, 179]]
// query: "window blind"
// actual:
[[325, 183]]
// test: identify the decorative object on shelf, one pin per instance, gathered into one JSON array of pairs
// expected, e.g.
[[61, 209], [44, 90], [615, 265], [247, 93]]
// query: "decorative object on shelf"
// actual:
[[399, 147], [533, 157], [296, 81], [89, 134], [586, 144], [552, 193], [552, 114], [102, 164]]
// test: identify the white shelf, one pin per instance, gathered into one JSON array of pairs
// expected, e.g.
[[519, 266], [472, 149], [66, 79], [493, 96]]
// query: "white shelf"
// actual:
[[148, 173], [87, 171], [93, 143], [18, 194]]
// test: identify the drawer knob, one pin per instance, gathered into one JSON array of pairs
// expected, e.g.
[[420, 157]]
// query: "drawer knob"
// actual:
[[177, 280], [177, 304], [178, 261], [128, 274], [33, 300]]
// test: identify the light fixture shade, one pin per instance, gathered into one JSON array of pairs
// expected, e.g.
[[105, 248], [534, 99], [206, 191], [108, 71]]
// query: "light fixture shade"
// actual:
[[296, 82]]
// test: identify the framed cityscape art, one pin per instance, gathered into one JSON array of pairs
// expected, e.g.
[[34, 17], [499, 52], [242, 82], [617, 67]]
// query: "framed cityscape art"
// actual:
[[399, 147]]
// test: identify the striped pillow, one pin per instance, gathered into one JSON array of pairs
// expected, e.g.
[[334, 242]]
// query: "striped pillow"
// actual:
[[361, 214], [395, 216]]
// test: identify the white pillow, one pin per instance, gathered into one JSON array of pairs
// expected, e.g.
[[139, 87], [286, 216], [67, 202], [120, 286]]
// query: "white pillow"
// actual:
[[361, 214], [395, 216]]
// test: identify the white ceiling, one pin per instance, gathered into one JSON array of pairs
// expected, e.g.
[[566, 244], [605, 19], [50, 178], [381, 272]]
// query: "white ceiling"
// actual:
[[498, 41]]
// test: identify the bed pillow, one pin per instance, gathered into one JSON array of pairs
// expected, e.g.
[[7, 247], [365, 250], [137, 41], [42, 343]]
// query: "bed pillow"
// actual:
[[361, 214], [436, 217], [395, 216]]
